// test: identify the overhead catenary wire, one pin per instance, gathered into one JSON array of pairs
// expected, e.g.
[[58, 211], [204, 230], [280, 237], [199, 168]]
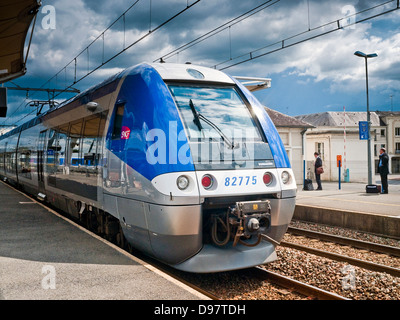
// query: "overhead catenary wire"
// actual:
[[73, 62], [218, 29], [284, 45], [281, 44], [151, 31], [232, 61]]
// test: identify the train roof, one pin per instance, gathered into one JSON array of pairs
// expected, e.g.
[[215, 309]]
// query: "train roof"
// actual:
[[167, 71], [189, 72]]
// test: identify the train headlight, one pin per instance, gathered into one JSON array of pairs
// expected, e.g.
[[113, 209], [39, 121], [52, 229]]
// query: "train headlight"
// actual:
[[267, 178], [182, 182], [207, 181], [285, 177]]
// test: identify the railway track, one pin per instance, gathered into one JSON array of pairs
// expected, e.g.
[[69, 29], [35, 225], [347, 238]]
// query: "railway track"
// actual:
[[177, 275], [302, 288], [294, 285], [259, 273], [307, 290], [344, 258], [394, 251]]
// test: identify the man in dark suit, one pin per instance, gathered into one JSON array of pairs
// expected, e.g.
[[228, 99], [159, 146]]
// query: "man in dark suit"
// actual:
[[383, 169], [318, 163]]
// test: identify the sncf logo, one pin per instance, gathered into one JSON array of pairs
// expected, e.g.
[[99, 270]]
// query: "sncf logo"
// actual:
[[125, 132]]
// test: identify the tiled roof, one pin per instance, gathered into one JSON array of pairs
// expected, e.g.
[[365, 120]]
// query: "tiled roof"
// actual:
[[283, 120], [336, 119]]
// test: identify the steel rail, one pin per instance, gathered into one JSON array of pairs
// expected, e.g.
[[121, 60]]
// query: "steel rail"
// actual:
[[338, 257], [295, 285], [175, 274], [394, 251]]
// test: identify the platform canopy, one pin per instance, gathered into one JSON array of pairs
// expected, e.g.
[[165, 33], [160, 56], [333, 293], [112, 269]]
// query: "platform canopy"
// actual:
[[15, 19], [254, 84]]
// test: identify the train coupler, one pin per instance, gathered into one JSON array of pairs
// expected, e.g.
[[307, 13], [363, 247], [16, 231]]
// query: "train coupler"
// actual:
[[241, 222], [254, 219]]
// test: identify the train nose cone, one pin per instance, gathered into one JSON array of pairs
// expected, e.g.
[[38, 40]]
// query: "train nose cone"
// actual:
[[253, 225]]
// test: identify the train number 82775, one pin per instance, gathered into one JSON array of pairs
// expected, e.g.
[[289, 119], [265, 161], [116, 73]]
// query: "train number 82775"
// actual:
[[240, 181]]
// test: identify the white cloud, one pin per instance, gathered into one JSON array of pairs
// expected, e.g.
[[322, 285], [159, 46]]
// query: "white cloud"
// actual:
[[327, 59]]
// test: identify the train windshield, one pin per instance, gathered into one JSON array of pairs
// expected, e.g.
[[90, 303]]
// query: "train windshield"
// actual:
[[221, 130]]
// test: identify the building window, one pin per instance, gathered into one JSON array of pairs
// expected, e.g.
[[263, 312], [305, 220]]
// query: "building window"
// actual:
[[397, 147], [395, 165], [397, 132], [288, 154], [319, 147], [383, 132]]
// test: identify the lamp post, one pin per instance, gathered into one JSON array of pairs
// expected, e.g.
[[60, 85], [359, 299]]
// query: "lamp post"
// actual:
[[366, 57]]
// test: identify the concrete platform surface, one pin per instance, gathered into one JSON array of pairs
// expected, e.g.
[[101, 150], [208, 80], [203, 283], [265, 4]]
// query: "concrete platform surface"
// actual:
[[353, 197], [45, 256]]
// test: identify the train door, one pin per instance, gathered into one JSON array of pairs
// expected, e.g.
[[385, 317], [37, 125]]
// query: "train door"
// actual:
[[40, 159], [4, 158]]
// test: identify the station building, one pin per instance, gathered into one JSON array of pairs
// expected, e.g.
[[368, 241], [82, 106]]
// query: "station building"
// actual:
[[293, 134], [337, 133]]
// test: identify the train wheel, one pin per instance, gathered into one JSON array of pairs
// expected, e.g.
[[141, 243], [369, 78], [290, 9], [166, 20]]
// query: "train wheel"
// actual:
[[121, 241], [129, 247]]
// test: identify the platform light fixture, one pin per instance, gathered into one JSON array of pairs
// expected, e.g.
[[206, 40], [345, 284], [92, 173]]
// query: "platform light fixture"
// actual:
[[366, 57]]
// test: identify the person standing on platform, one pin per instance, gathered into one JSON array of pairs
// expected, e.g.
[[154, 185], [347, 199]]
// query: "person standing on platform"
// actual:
[[383, 169], [318, 164]]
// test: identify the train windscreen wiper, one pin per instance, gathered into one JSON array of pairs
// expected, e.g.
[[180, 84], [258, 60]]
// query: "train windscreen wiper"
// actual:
[[197, 116]]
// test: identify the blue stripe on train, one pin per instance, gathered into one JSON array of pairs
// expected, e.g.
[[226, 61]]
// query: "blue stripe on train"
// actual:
[[149, 105]]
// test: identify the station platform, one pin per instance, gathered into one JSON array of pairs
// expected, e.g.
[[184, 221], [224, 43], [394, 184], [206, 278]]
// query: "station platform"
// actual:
[[44, 256], [350, 206]]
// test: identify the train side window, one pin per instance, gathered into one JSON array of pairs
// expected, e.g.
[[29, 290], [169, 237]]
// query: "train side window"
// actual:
[[52, 150], [100, 139], [119, 114], [4, 157], [61, 157], [74, 143], [89, 141], [24, 163], [51, 147], [11, 159]]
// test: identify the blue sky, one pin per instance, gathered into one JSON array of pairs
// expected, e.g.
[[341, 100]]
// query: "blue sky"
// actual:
[[315, 76]]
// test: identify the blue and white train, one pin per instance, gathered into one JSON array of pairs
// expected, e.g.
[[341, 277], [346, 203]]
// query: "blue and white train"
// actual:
[[178, 161]]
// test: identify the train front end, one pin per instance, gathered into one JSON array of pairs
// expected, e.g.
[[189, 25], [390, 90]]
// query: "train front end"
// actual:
[[220, 189]]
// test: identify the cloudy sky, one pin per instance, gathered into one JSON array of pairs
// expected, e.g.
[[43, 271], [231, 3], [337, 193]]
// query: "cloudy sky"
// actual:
[[321, 74]]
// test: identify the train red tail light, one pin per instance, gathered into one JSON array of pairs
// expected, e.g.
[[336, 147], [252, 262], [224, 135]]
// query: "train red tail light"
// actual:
[[267, 178], [207, 181]]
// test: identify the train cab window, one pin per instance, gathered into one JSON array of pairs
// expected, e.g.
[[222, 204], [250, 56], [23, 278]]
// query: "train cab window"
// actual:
[[208, 111], [119, 113], [221, 127]]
